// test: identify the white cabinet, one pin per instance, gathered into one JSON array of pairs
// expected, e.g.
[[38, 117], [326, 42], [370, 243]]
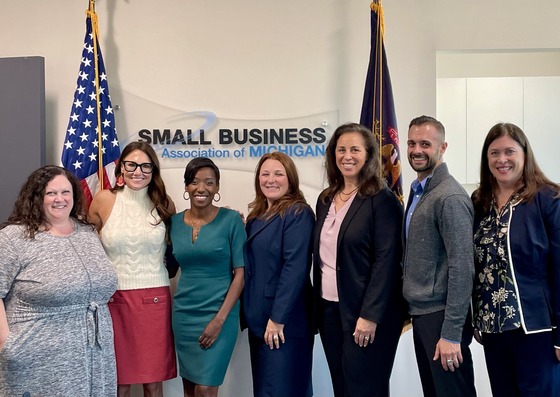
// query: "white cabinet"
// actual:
[[469, 107], [542, 122], [452, 112]]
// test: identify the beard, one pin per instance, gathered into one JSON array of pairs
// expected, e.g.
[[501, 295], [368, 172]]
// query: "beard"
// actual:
[[428, 166]]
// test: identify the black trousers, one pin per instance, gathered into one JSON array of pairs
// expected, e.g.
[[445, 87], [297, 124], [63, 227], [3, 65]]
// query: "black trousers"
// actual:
[[358, 371], [521, 365], [436, 382]]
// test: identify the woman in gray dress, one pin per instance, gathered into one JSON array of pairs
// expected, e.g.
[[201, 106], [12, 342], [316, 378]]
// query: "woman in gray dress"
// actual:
[[56, 335]]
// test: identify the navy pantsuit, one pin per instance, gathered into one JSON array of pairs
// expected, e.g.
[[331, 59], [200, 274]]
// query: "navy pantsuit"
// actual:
[[278, 287]]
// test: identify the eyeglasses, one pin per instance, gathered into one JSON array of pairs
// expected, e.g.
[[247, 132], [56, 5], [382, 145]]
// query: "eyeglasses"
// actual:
[[130, 166]]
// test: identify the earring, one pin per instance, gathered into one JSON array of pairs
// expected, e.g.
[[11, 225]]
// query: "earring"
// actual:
[[185, 198], [219, 197], [120, 180]]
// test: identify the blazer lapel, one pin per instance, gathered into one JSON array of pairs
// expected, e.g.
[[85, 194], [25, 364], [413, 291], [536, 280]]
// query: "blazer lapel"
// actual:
[[258, 229], [322, 211], [354, 208]]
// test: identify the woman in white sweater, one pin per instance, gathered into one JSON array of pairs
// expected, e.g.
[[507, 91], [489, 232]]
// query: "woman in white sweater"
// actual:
[[131, 219]]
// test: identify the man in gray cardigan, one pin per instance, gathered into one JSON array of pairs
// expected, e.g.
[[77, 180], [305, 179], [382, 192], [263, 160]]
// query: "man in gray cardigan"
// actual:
[[438, 265]]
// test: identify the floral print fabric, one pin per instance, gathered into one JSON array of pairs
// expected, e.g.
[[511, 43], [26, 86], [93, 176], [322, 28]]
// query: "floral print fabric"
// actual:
[[496, 306]]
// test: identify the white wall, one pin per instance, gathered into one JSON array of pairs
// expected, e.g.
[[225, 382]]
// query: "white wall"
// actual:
[[264, 59]]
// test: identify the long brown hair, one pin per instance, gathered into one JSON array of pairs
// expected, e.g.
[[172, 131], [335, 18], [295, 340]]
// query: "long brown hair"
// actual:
[[29, 209], [533, 178], [156, 188], [294, 196], [369, 177]]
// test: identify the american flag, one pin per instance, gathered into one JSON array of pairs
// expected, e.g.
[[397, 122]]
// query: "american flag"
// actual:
[[82, 147]]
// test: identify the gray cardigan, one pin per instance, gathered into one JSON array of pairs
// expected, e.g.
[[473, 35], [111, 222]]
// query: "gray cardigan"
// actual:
[[438, 263]]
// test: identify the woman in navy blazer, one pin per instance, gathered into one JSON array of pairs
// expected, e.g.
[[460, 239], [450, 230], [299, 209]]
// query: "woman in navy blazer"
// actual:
[[277, 295], [516, 297], [356, 270]]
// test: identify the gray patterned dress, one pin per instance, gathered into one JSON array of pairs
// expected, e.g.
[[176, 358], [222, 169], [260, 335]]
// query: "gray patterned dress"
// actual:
[[55, 291]]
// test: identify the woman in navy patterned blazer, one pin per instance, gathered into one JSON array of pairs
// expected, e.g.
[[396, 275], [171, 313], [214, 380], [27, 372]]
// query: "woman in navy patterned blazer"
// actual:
[[516, 297]]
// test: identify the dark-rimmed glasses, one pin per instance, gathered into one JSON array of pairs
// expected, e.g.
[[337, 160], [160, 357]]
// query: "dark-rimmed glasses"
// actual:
[[130, 166]]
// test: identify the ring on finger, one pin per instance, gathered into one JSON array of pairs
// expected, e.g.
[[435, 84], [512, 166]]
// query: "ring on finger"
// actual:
[[450, 362]]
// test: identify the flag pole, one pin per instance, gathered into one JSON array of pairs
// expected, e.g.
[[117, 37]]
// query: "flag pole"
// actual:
[[95, 32], [377, 7]]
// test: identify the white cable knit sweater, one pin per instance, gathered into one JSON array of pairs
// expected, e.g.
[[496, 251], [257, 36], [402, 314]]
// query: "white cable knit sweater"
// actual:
[[133, 244]]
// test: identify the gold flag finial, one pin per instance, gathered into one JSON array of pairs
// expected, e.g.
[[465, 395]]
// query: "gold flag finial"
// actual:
[[377, 7]]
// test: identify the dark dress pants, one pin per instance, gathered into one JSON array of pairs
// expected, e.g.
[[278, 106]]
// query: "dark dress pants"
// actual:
[[284, 372], [436, 382], [521, 365], [358, 371]]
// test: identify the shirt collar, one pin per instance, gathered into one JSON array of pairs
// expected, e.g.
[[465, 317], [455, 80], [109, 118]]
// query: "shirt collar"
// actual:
[[416, 183]]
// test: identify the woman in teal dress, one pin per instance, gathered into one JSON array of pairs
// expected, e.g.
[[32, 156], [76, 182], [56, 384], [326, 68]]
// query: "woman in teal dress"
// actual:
[[207, 244]]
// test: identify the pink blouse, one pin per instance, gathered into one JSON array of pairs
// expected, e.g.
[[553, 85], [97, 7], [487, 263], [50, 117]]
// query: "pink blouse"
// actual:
[[328, 247]]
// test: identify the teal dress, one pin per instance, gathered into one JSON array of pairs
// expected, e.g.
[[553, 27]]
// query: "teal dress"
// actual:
[[206, 274]]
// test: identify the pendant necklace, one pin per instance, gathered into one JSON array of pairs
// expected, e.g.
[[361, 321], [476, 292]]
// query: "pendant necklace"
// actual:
[[197, 225]]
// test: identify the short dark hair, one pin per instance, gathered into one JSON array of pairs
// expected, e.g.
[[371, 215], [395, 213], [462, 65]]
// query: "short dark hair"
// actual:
[[196, 164], [421, 120]]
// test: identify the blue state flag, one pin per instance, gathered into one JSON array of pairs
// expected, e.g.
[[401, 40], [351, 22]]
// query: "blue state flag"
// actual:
[[378, 109]]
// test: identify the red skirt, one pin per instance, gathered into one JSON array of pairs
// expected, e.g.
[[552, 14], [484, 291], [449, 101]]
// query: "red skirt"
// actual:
[[143, 338]]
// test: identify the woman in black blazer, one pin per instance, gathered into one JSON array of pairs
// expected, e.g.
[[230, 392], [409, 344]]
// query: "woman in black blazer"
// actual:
[[356, 269]]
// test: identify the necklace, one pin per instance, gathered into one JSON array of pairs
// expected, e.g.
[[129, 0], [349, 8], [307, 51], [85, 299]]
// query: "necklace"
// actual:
[[340, 193], [348, 194], [344, 199], [197, 225]]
